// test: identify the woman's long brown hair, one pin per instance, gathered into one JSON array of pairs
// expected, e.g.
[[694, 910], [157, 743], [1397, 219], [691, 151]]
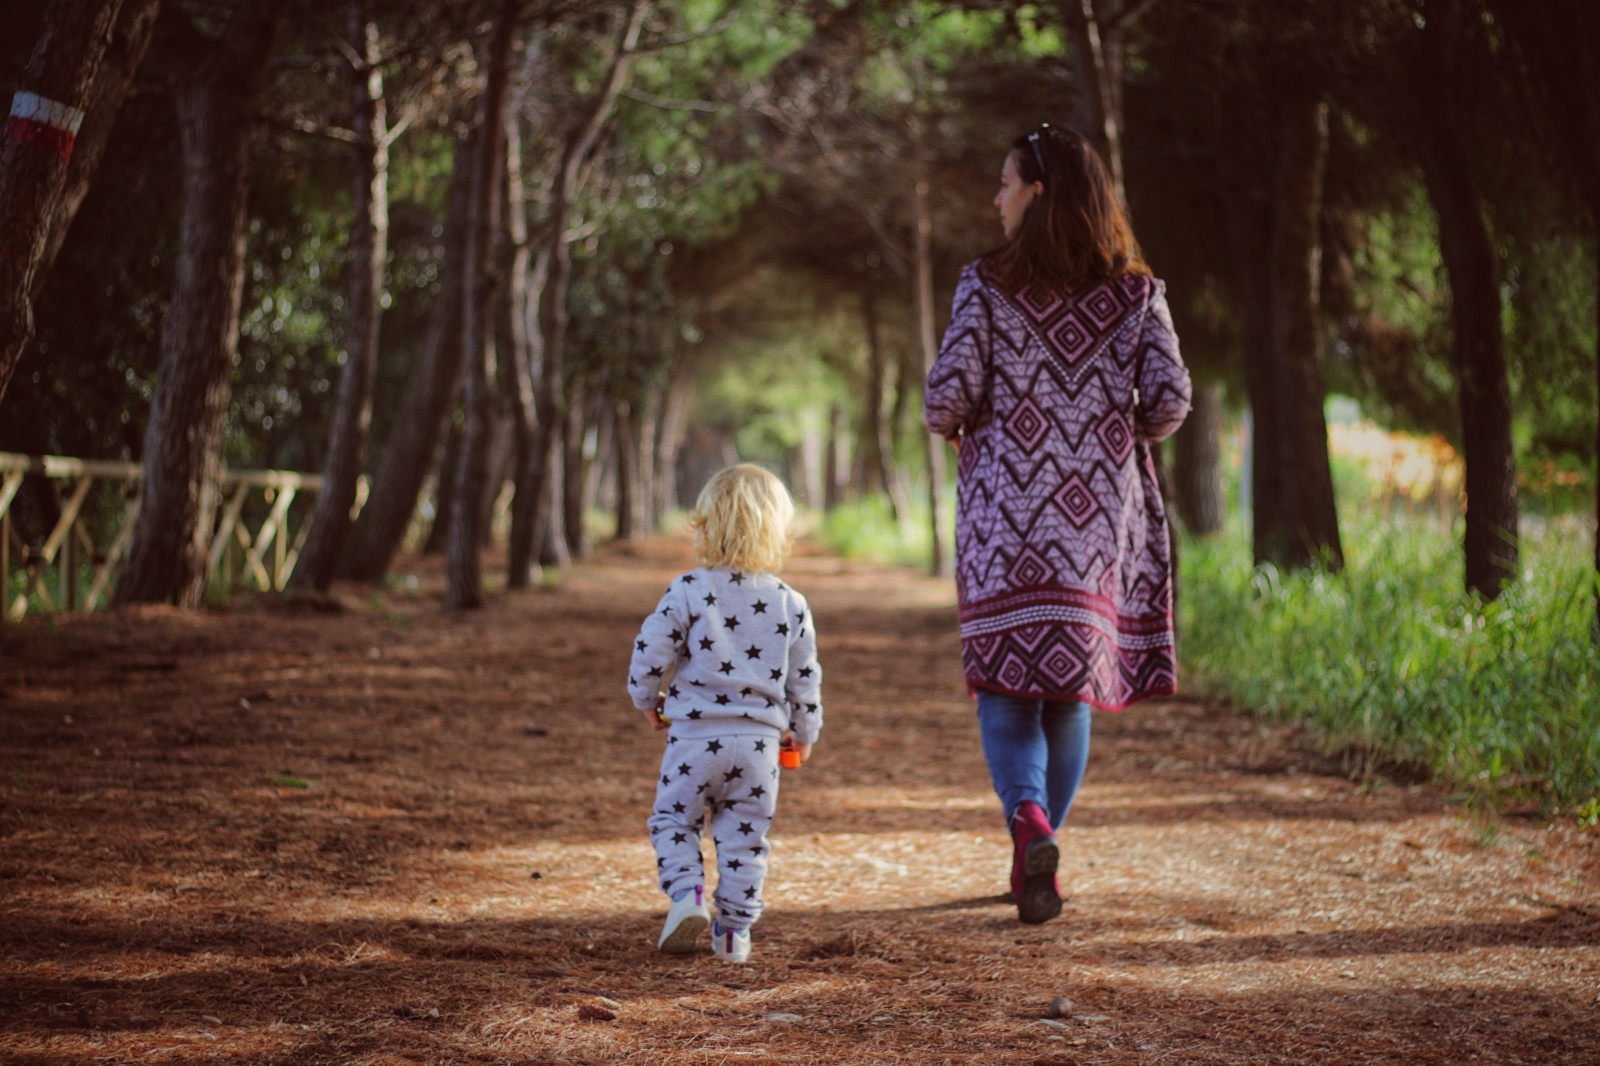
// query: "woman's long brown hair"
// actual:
[[1075, 234]]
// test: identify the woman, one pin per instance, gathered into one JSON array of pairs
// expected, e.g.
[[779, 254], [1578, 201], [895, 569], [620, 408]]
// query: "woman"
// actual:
[[1058, 370]]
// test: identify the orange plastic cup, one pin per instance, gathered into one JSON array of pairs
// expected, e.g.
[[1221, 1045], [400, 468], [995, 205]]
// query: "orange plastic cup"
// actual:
[[788, 758]]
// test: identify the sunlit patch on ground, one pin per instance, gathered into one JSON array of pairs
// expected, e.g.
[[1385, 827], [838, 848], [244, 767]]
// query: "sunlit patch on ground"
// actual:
[[399, 836]]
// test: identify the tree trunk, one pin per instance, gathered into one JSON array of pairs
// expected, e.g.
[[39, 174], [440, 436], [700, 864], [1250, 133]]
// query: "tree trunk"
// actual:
[[598, 462], [877, 447], [627, 454], [1249, 229], [574, 436], [444, 503], [808, 464], [524, 290], [369, 244], [1561, 44], [671, 426], [499, 471], [1296, 521], [942, 563], [167, 557], [463, 567], [36, 152], [1587, 19], [1484, 394], [1098, 48], [553, 303], [130, 39], [1197, 465], [907, 397], [833, 460], [553, 545], [1478, 341], [429, 399], [646, 438]]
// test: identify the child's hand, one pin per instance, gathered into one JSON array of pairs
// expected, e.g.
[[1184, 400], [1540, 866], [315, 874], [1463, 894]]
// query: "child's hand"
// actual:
[[802, 752], [655, 718]]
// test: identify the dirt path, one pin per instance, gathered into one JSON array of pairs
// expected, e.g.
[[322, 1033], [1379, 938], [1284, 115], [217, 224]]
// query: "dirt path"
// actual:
[[393, 835]]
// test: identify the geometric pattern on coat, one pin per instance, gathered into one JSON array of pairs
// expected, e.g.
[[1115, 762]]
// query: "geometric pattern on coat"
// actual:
[[1063, 562], [732, 782]]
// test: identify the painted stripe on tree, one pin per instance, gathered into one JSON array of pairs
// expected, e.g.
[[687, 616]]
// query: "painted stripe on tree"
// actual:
[[43, 123]]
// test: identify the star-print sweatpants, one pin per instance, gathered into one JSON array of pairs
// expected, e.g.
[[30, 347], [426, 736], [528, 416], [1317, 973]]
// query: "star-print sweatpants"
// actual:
[[732, 783]]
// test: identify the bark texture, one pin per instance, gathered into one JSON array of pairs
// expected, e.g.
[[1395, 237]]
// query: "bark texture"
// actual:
[[525, 279], [1561, 42], [466, 530], [549, 349], [1478, 344], [1295, 520], [1098, 49], [36, 149], [199, 342], [369, 245], [942, 563], [409, 453], [130, 40]]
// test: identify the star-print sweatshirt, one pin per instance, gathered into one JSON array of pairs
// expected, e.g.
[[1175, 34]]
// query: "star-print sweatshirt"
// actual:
[[736, 653]]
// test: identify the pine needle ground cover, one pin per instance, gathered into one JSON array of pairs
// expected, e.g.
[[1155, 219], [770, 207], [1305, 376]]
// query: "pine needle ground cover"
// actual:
[[288, 836]]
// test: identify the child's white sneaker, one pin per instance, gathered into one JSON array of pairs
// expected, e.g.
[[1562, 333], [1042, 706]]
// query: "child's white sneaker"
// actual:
[[687, 919], [730, 944]]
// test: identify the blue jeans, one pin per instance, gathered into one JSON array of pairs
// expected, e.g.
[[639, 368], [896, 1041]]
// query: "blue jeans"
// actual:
[[1036, 750]]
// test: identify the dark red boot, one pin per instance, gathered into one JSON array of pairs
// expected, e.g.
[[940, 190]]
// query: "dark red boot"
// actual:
[[1033, 865]]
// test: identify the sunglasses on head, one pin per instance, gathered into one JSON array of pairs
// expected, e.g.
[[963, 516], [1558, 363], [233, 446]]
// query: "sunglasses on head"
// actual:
[[1038, 149]]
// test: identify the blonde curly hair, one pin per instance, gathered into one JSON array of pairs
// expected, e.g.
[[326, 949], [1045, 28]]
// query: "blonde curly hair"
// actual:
[[744, 520]]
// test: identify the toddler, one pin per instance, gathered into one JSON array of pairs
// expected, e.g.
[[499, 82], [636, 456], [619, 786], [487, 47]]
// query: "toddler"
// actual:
[[736, 652]]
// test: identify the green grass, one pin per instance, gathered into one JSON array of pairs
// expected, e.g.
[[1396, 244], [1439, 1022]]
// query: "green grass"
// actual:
[[865, 529], [1391, 663]]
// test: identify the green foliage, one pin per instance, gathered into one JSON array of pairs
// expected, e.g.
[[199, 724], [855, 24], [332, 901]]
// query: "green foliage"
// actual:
[[1589, 814], [750, 38], [1393, 344], [767, 389], [1388, 663], [48, 594], [1551, 341], [1040, 32], [864, 529], [290, 331]]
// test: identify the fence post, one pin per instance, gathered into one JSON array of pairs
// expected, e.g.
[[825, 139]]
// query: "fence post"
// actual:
[[5, 564], [69, 570], [233, 552]]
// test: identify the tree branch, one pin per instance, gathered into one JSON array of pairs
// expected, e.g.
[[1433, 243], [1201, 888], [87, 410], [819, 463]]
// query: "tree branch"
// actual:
[[687, 38], [302, 125], [1130, 13], [639, 96]]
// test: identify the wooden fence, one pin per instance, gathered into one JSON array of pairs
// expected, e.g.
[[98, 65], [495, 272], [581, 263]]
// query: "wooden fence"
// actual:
[[255, 540]]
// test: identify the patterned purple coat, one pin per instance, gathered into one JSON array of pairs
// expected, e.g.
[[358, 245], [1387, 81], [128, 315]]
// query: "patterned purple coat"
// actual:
[[1063, 566]]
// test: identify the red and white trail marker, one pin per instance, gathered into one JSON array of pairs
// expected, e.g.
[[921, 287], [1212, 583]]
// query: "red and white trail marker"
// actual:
[[43, 123]]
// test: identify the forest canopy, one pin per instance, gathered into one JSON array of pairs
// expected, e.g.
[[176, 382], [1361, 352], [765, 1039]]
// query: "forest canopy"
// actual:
[[571, 253]]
